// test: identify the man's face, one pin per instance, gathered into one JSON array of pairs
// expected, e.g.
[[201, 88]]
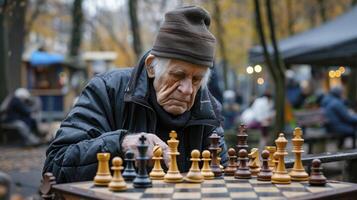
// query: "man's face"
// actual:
[[177, 87]]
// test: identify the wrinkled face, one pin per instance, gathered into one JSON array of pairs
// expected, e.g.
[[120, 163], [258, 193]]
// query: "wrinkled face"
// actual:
[[177, 87]]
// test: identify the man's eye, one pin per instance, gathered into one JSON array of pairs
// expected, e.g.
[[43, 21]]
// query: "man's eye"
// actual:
[[178, 76], [196, 80]]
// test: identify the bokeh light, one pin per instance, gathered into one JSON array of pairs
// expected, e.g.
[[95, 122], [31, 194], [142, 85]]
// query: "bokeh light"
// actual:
[[332, 74], [250, 70], [260, 81], [257, 68]]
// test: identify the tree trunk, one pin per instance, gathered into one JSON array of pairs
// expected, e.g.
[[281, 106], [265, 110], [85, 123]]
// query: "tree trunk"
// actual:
[[220, 38], [135, 27], [3, 54], [322, 10], [280, 86], [289, 7], [77, 23], [16, 37]]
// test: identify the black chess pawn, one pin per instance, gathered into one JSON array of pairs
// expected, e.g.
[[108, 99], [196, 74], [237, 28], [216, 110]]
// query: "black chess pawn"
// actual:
[[129, 172], [265, 171], [232, 164], [317, 178], [142, 180], [243, 169]]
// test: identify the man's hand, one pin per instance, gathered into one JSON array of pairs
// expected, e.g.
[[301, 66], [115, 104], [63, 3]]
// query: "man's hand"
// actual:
[[131, 141]]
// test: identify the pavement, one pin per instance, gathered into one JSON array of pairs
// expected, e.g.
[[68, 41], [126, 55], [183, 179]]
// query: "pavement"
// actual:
[[24, 165]]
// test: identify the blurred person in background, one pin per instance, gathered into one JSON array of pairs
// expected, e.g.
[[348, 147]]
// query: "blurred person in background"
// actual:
[[18, 111], [340, 119], [230, 109], [260, 115]]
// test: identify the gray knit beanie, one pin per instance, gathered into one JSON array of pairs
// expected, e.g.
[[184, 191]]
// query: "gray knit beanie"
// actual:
[[184, 35]]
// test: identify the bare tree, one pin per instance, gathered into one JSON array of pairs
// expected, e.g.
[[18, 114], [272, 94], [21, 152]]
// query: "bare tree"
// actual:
[[220, 38], [77, 23], [3, 51], [106, 23], [135, 27], [15, 24], [35, 14], [280, 68], [276, 74]]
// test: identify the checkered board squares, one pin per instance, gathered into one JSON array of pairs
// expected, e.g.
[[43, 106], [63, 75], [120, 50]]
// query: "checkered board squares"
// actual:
[[217, 189]]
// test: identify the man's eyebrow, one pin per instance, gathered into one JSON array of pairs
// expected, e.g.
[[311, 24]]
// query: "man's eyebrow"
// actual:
[[177, 71]]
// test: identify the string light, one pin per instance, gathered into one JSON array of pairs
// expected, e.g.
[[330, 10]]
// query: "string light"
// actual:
[[332, 74]]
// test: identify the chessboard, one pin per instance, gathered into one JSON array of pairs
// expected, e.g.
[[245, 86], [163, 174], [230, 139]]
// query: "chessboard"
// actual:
[[217, 189]]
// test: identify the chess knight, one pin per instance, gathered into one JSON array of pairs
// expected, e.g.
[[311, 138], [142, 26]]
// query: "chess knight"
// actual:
[[167, 90]]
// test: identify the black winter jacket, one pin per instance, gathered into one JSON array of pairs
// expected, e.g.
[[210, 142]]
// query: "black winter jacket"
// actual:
[[112, 105]]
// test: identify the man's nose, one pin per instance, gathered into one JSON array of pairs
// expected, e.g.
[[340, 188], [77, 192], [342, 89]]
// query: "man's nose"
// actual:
[[186, 87]]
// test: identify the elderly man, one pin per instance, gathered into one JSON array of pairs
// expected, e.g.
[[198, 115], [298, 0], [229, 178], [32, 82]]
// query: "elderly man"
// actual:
[[166, 91]]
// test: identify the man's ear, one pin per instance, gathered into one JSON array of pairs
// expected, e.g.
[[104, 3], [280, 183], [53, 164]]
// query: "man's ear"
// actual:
[[148, 65]]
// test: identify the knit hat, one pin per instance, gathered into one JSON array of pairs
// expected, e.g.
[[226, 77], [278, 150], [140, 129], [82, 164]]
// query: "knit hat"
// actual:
[[184, 35]]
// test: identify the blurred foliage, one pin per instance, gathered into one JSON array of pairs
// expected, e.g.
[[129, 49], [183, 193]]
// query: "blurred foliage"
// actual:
[[106, 23]]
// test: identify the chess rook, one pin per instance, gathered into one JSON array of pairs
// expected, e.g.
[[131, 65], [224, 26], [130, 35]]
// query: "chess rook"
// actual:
[[103, 176], [117, 183], [214, 147], [142, 180], [280, 175], [129, 172], [173, 174], [298, 172]]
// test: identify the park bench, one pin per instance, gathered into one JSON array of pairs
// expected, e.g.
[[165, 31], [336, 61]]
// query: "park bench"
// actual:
[[313, 119], [348, 156]]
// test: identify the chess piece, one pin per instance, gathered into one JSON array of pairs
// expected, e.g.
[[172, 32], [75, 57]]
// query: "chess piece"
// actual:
[[298, 172], [280, 175], [142, 180], [232, 164], [242, 138], [129, 172], [157, 173], [214, 147], [206, 169], [194, 175], [173, 175], [254, 162], [103, 176], [275, 161], [117, 183], [219, 159], [272, 150], [317, 178], [265, 171], [243, 170]]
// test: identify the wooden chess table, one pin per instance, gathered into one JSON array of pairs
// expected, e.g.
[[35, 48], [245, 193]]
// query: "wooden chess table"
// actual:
[[225, 188]]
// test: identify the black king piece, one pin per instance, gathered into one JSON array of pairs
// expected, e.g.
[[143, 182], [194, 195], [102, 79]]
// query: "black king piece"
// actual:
[[142, 180]]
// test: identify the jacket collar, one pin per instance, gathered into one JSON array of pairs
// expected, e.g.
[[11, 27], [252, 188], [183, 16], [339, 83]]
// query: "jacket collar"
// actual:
[[204, 111]]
